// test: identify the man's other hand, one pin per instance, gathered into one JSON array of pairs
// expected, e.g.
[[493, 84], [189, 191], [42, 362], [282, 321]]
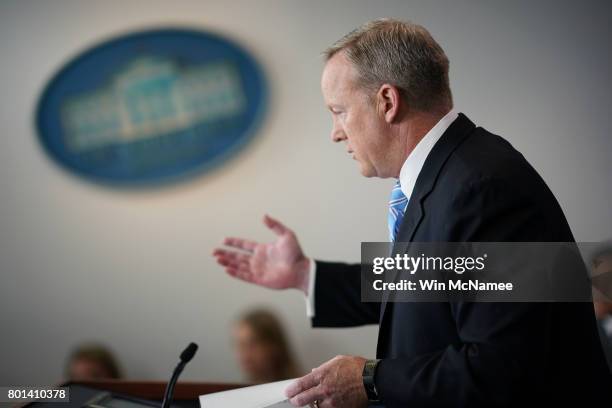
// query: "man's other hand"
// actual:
[[277, 265], [336, 383]]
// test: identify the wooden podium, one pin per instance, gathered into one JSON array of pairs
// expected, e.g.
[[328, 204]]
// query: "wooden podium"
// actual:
[[185, 393], [154, 390]]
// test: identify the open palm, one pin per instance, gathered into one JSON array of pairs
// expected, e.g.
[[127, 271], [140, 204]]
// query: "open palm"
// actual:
[[280, 264]]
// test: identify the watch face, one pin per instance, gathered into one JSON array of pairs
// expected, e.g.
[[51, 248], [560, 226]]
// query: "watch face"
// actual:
[[370, 368], [368, 380]]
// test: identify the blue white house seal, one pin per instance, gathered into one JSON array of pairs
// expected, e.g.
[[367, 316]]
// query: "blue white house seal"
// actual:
[[151, 106]]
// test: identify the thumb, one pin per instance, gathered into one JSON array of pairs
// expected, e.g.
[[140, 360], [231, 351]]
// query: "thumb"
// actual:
[[275, 225]]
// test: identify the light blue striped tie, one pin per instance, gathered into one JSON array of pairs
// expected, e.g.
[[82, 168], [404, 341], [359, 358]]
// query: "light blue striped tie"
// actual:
[[397, 206]]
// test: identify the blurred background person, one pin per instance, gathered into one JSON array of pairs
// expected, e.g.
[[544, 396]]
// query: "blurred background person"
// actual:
[[601, 264], [262, 348], [92, 361]]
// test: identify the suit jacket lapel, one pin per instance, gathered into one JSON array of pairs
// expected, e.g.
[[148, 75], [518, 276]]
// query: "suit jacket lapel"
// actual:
[[425, 183], [454, 135]]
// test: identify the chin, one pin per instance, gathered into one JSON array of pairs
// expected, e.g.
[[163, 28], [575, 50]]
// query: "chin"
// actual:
[[367, 171]]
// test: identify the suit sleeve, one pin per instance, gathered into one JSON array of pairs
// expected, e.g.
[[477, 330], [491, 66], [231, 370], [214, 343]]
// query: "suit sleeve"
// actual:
[[338, 297], [502, 346]]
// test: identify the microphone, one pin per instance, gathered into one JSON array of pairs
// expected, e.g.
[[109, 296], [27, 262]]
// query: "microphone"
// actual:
[[186, 357]]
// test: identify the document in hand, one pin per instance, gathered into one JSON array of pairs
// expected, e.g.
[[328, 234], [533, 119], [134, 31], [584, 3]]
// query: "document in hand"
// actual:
[[271, 395]]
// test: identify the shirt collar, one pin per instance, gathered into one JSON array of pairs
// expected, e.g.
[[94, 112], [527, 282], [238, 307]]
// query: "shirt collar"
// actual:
[[416, 159]]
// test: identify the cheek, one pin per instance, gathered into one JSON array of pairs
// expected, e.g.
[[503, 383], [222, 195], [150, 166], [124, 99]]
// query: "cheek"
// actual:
[[361, 132], [353, 129]]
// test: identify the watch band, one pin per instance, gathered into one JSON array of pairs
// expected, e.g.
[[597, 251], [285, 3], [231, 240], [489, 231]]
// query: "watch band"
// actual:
[[369, 372]]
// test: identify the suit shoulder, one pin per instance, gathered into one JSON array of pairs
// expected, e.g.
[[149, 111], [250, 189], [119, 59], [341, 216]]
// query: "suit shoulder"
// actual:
[[487, 170], [486, 156]]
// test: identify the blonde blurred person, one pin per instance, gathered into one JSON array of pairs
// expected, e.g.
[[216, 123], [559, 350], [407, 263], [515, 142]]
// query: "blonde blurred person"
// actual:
[[92, 361], [262, 348]]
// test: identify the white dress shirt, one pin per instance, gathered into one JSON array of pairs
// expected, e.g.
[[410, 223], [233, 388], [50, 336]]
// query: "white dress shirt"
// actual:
[[408, 176]]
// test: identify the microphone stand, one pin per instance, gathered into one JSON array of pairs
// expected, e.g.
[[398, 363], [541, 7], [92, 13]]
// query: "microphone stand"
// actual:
[[186, 356]]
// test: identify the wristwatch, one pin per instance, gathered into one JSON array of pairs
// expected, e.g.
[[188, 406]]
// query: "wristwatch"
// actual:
[[369, 371]]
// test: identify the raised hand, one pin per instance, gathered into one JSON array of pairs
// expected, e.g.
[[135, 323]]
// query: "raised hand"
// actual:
[[280, 264]]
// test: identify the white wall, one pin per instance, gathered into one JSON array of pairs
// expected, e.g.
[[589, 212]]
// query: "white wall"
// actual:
[[133, 269]]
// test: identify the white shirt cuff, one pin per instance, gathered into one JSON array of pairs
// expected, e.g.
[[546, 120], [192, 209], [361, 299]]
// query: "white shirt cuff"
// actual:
[[310, 305]]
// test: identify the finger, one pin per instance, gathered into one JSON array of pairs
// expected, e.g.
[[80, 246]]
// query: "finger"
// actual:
[[302, 384], [307, 397], [234, 263], [232, 255], [221, 251], [225, 254], [240, 243], [275, 225]]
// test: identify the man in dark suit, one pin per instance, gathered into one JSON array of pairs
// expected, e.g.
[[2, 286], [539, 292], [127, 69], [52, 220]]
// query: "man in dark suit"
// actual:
[[386, 85]]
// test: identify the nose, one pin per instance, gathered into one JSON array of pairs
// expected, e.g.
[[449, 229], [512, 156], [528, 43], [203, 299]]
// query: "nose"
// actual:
[[338, 135]]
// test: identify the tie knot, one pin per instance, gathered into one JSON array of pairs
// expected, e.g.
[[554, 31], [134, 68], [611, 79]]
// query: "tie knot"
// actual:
[[397, 206]]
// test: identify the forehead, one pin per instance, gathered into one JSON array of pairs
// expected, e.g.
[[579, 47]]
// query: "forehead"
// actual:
[[243, 330], [339, 78]]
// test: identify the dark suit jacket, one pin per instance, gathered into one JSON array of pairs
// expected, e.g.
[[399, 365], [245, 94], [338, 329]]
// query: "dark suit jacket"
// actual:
[[474, 186]]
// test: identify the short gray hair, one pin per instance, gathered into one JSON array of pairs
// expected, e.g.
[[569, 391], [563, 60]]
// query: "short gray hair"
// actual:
[[401, 54]]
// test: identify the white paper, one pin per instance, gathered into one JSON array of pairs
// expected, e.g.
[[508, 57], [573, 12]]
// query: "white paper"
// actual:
[[256, 396]]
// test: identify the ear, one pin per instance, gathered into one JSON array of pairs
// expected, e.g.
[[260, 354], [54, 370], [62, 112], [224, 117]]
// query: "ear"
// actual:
[[388, 100]]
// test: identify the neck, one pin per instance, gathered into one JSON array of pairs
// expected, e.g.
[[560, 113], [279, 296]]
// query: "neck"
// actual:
[[412, 131]]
